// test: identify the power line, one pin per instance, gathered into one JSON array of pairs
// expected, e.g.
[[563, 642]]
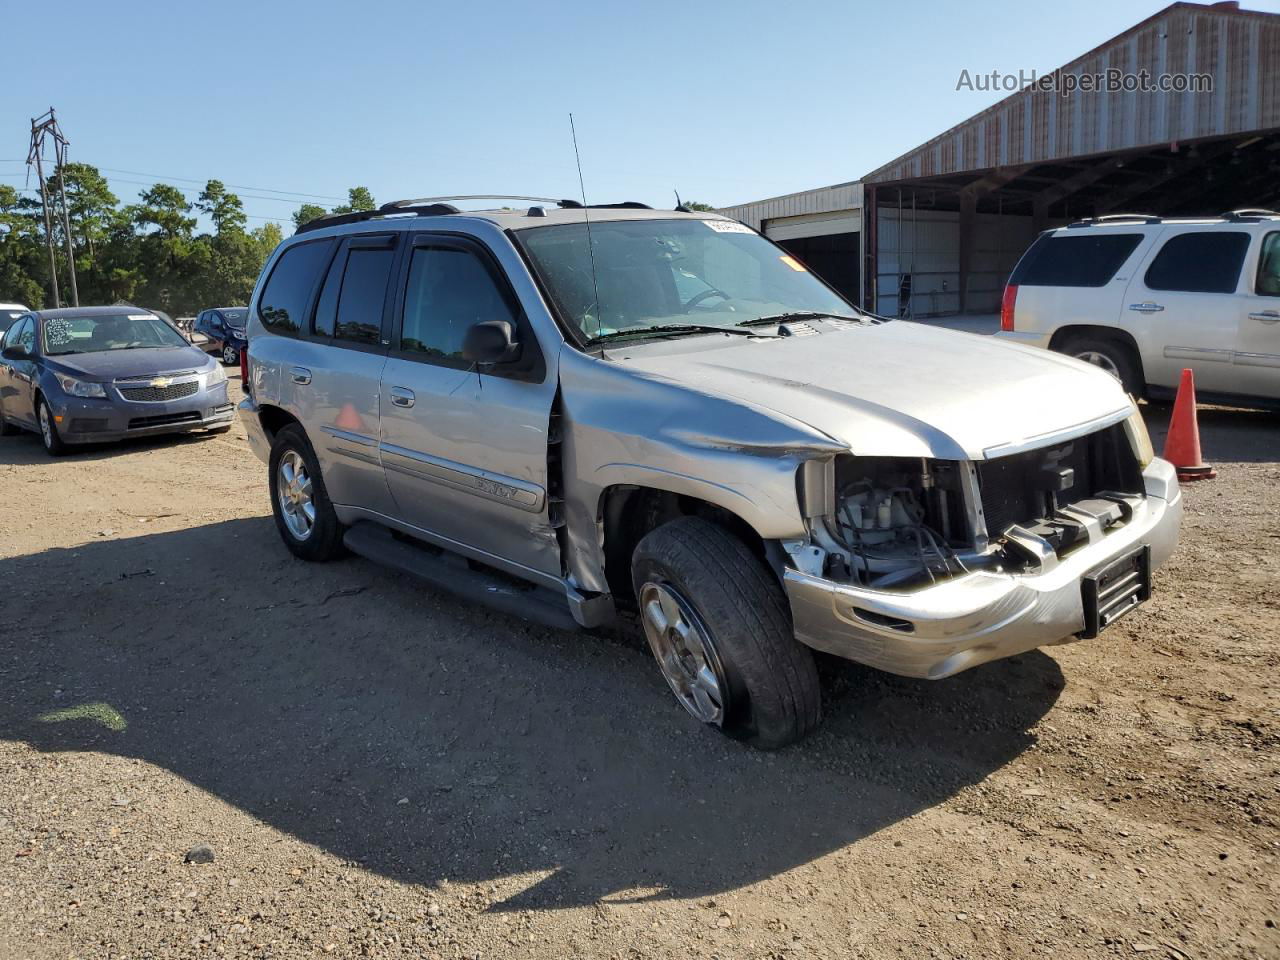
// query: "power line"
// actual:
[[235, 186]]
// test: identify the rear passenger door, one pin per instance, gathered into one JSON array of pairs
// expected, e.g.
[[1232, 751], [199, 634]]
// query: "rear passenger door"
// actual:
[[338, 388], [1186, 293], [465, 450]]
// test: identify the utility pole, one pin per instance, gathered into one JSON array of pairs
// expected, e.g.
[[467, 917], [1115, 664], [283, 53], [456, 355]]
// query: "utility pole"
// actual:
[[45, 127]]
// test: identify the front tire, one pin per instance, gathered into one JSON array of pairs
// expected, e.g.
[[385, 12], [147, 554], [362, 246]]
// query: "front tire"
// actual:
[[53, 443], [719, 626], [303, 513], [1111, 356], [230, 355]]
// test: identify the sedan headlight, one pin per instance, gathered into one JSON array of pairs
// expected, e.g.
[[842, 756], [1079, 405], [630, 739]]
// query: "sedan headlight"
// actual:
[[215, 376], [80, 388], [1139, 439]]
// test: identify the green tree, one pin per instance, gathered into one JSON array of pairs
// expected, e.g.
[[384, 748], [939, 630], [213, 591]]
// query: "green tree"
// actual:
[[306, 213], [223, 208], [700, 207], [358, 199]]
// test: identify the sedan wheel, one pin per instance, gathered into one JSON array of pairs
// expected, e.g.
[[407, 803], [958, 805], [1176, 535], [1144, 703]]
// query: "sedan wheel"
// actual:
[[685, 652], [230, 355], [295, 492], [49, 431]]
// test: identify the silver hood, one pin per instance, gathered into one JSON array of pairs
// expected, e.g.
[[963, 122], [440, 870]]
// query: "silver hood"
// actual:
[[899, 388]]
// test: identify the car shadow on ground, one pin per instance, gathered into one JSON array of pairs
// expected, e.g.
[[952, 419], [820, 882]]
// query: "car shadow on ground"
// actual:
[[27, 449], [1227, 434], [426, 739]]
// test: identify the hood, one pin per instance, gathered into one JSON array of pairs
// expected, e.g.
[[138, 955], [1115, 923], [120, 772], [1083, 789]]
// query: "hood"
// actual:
[[899, 388], [118, 364]]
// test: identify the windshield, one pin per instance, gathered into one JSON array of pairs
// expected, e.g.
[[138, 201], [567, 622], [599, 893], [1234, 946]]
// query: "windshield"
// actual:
[[93, 334], [671, 273]]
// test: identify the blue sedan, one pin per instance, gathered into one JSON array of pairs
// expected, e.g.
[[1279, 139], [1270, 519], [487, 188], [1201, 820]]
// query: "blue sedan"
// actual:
[[93, 374]]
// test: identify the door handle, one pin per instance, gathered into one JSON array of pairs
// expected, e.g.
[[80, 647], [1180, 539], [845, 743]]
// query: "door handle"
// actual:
[[402, 396], [300, 375], [1146, 307], [1266, 316]]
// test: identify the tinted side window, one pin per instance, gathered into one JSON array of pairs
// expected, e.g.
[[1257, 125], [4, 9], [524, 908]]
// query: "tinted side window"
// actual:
[[288, 291], [1089, 259], [1268, 284], [364, 291], [449, 290], [1206, 262]]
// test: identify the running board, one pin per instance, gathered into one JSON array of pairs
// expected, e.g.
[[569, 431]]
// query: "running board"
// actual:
[[451, 572]]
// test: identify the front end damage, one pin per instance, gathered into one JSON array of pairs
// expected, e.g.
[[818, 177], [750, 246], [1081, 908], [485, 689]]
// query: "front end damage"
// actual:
[[926, 567]]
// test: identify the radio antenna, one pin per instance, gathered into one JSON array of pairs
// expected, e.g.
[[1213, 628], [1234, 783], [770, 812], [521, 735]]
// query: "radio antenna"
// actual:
[[586, 215]]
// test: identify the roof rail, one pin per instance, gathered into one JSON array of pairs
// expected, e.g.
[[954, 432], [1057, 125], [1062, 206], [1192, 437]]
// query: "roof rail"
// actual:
[[1250, 213], [1116, 218], [336, 219], [396, 205]]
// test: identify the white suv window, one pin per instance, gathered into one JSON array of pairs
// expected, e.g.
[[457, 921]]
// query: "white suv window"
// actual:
[[1088, 259], [1205, 261]]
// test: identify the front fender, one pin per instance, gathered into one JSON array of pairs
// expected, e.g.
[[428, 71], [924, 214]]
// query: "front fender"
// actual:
[[622, 427]]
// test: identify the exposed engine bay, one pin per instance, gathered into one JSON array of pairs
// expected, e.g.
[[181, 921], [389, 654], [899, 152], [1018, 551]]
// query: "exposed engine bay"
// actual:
[[902, 523]]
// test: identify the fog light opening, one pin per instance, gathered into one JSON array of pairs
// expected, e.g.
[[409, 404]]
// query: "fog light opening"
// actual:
[[880, 620]]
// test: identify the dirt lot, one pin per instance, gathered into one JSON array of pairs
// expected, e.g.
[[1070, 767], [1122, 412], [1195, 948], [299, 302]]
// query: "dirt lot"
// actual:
[[383, 771]]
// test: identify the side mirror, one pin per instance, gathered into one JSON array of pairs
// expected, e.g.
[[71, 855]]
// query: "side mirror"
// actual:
[[15, 351], [491, 341]]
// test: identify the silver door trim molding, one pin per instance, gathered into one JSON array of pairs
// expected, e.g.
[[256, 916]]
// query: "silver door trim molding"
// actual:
[[459, 476], [360, 438], [1258, 359], [1198, 353]]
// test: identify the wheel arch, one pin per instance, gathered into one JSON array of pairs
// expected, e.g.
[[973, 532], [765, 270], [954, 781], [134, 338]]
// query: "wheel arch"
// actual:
[[274, 419], [1064, 335], [627, 512]]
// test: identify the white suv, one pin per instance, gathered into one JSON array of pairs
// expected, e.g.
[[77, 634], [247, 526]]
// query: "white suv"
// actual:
[[1144, 297]]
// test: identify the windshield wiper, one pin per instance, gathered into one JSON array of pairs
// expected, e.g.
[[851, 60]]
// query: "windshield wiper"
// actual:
[[668, 329], [784, 317]]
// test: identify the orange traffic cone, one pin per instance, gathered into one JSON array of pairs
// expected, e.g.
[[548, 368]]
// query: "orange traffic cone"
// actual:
[[1182, 445]]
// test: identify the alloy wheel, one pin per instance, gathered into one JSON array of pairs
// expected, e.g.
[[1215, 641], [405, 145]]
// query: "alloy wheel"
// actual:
[[294, 493], [685, 652], [46, 426], [1099, 359]]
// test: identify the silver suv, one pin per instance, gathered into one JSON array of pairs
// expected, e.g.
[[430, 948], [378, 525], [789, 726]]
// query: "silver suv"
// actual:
[[579, 413]]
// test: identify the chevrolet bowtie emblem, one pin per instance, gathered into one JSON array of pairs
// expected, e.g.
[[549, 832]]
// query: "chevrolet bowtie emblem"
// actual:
[[161, 381]]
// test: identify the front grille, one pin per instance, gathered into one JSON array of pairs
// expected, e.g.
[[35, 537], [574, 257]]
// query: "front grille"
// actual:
[[174, 391], [147, 378], [164, 420], [1027, 487], [87, 425]]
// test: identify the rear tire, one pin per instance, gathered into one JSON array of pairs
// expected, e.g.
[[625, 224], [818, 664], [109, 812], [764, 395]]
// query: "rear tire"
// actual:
[[53, 444], [1110, 355], [300, 504], [721, 595]]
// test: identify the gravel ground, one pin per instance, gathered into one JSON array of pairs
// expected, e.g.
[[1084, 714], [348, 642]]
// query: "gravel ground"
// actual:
[[379, 770]]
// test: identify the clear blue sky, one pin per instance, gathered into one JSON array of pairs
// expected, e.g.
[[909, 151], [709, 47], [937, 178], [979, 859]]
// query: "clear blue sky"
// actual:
[[727, 101]]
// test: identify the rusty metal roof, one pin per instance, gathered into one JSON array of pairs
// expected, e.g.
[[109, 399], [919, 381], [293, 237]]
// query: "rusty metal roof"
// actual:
[[1239, 49]]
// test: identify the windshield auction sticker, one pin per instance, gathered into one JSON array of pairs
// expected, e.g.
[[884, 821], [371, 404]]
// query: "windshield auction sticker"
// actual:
[[728, 226]]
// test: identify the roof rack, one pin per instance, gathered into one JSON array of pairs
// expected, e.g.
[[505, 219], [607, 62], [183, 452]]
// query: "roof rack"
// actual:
[[1250, 213], [1116, 218], [440, 207], [336, 219]]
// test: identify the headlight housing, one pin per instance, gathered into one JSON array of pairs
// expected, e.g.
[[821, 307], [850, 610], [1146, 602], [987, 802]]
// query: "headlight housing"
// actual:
[[1139, 439], [80, 388], [215, 376]]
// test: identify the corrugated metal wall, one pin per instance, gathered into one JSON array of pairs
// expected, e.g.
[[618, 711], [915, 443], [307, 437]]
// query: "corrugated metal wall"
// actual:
[[842, 196], [926, 244], [1239, 49]]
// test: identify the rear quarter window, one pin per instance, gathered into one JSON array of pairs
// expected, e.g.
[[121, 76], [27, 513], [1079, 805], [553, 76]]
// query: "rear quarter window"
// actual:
[[1065, 260], [288, 292]]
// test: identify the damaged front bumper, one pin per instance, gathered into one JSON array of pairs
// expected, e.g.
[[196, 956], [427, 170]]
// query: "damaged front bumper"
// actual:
[[941, 630]]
